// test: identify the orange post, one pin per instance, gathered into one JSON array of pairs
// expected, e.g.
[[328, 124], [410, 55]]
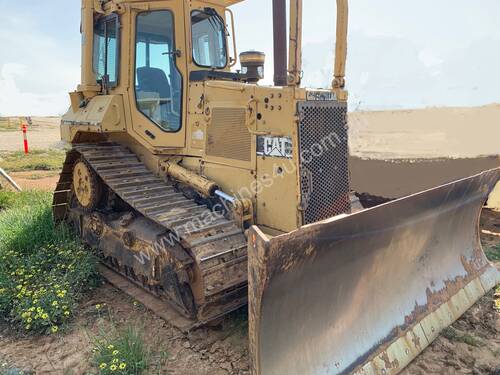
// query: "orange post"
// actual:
[[25, 137]]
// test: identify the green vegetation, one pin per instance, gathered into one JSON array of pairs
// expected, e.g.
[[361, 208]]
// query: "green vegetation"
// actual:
[[123, 353], [43, 270], [40, 160], [7, 199], [454, 335], [493, 253]]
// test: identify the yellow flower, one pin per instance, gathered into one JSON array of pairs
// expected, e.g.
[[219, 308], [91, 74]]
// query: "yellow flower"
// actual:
[[54, 303], [111, 347], [115, 352], [45, 316], [66, 313], [497, 304], [115, 360], [123, 366], [98, 307], [27, 327], [102, 366], [54, 329], [29, 320], [113, 368]]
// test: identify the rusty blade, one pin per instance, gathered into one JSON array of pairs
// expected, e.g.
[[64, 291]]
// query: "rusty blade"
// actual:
[[366, 293]]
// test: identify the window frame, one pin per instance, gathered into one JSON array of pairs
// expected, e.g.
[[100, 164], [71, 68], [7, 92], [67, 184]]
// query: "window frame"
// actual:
[[174, 48], [105, 20], [192, 42]]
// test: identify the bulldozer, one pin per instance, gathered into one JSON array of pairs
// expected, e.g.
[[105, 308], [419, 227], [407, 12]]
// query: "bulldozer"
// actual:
[[203, 191]]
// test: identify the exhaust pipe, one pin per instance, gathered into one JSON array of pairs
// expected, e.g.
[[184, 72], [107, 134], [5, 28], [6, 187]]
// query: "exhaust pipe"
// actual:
[[280, 42], [88, 85]]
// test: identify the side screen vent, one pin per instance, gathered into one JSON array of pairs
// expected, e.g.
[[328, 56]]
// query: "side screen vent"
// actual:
[[324, 166], [228, 136]]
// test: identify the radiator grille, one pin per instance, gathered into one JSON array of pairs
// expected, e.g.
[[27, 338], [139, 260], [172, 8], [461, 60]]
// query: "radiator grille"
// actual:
[[228, 135], [324, 166]]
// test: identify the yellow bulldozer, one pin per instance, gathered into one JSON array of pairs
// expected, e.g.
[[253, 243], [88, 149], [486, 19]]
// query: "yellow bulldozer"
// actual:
[[208, 191]]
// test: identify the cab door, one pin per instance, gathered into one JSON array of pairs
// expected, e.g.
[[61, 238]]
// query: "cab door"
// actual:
[[158, 74]]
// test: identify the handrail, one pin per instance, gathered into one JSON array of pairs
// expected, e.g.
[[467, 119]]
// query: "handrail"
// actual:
[[233, 29]]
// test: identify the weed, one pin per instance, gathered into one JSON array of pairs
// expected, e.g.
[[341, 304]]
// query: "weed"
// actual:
[[454, 335], [43, 270], [39, 160], [7, 199], [123, 353], [493, 253]]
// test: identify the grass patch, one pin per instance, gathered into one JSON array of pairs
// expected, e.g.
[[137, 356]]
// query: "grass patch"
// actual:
[[453, 335], [493, 253], [39, 160], [43, 270], [124, 352], [7, 199]]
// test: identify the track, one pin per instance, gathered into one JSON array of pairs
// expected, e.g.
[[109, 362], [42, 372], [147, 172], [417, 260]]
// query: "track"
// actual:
[[207, 252]]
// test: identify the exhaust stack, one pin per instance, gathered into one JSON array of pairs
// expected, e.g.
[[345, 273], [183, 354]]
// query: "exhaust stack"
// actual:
[[280, 42], [88, 84]]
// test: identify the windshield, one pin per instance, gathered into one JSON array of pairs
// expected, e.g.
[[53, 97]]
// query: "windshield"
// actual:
[[209, 39]]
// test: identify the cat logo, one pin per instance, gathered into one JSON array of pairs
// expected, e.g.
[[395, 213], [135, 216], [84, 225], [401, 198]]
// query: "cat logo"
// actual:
[[278, 147]]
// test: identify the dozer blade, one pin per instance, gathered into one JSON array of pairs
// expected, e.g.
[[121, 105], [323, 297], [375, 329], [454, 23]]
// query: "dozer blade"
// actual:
[[367, 292]]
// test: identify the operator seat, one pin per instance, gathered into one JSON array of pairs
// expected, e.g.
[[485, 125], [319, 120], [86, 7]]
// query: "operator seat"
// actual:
[[154, 80]]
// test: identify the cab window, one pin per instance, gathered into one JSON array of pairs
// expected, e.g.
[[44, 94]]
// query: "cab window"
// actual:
[[158, 82], [209, 39], [106, 48]]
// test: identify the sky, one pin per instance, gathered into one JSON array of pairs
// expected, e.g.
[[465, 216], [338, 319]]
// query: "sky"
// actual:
[[402, 54]]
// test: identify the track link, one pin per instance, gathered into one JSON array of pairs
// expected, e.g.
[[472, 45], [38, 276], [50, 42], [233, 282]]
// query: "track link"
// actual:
[[216, 245]]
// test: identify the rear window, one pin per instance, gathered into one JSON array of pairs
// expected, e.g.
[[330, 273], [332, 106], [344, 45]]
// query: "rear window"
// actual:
[[209, 39], [106, 32]]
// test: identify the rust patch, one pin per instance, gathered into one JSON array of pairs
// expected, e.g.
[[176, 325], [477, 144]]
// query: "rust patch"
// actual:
[[388, 364], [416, 340]]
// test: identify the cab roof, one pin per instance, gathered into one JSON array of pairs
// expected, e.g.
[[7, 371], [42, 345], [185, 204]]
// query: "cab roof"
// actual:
[[224, 3]]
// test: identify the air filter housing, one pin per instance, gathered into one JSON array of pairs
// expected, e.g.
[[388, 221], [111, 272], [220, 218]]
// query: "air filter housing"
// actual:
[[252, 65]]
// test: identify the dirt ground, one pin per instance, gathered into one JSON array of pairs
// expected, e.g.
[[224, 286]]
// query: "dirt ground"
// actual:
[[42, 135], [429, 133], [40, 180], [205, 351]]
